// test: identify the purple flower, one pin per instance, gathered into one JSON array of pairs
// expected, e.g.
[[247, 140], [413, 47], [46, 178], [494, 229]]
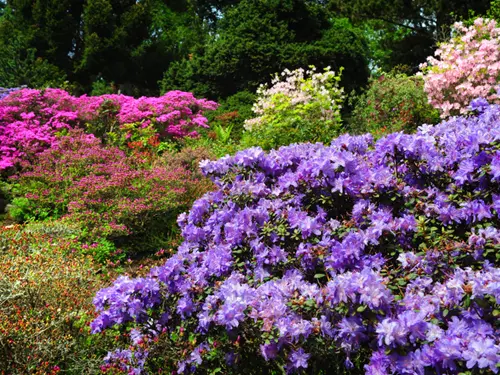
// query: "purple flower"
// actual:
[[185, 306], [269, 351], [391, 333], [298, 359], [479, 104]]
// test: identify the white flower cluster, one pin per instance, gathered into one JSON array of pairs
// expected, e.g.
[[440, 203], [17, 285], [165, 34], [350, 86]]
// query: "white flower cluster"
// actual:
[[298, 87]]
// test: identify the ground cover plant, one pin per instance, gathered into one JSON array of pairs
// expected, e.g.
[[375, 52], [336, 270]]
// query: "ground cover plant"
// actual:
[[358, 257], [31, 120], [46, 289]]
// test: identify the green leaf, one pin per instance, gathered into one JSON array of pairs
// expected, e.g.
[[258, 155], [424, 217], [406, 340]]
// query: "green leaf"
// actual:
[[361, 308]]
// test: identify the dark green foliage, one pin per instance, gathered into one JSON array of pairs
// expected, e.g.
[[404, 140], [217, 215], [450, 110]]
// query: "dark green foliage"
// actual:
[[233, 112], [257, 39], [52, 28], [494, 10], [132, 43], [409, 29], [112, 32], [101, 87], [128, 42], [214, 48], [19, 63], [210, 10]]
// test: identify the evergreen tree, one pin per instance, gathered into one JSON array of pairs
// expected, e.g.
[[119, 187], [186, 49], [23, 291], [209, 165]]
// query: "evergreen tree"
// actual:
[[128, 42], [256, 39], [409, 29]]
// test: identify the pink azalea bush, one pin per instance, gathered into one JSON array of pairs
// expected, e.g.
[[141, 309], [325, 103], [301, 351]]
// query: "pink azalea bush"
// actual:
[[30, 120], [466, 67], [107, 193]]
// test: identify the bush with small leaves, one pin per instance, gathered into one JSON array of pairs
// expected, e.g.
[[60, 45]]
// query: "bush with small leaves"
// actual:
[[121, 198], [46, 289], [393, 102]]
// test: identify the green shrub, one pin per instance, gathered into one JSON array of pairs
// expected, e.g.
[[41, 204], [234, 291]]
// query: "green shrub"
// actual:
[[188, 159], [211, 142], [104, 251], [393, 102], [233, 112], [101, 87], [5, 196]]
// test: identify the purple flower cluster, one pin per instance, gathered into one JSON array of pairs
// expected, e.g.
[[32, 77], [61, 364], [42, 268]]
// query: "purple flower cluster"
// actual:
[[4, 92], [390, 249]]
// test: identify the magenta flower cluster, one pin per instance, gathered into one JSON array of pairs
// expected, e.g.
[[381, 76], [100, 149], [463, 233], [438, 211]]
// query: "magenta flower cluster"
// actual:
[[310, 254], [31, 119]]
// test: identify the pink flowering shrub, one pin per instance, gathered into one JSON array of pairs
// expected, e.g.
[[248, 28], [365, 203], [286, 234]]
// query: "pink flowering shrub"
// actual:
[[30, 120], [108, 193], [466, 67]]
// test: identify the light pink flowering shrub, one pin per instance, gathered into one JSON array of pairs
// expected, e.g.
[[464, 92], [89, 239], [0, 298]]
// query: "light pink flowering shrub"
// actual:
[[30, 120], [466, 67]]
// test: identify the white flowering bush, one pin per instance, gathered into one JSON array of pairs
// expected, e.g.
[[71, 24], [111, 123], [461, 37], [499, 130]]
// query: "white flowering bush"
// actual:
[[300, 106]]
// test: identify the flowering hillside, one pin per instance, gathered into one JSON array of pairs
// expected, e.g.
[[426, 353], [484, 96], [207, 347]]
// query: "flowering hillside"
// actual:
[[378, 256]]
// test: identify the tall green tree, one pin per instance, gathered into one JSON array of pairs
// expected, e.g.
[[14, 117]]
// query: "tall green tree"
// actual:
[[408, 28], [112, 32], [255, 39], [211, 11], [128, 42], [175, 31], [51, 27], [19, 63]]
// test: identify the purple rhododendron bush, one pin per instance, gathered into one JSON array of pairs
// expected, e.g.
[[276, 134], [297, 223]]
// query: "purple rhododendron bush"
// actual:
[[358, 257], [30, 119]]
